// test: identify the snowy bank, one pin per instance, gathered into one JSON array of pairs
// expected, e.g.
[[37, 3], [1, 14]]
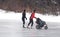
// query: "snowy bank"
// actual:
[[17, 16]]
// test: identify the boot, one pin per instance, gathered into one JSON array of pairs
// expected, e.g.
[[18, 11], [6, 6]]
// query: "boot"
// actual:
[[23, 26]]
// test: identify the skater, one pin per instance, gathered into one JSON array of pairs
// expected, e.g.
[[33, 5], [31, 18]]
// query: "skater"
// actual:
[[31, 19], [24, 17]]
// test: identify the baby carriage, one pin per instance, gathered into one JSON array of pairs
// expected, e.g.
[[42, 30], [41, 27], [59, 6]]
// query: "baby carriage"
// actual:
[[41, 24]]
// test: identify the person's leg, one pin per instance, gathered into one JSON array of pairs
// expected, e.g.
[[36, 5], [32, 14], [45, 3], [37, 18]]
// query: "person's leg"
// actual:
[[23, 22], [31, 23]]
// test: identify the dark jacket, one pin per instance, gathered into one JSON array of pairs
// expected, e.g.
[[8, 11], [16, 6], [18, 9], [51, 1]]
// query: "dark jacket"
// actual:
[[23, 15]]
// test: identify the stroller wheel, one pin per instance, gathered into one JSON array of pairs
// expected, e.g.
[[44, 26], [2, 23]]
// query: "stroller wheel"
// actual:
[[38, 27], [45, 27]]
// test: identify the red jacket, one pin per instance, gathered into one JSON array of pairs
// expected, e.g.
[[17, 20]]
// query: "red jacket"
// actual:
[[32, 15]]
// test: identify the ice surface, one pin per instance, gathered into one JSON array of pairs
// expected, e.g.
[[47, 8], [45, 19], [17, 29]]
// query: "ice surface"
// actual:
[[11, 26]]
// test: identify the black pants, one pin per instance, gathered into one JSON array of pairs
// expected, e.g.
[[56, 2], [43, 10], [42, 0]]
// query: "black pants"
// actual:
[[23, 19], [30, 22]]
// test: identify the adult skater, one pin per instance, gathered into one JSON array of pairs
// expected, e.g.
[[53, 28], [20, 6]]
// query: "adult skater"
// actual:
[[24, 17], [31, 19]]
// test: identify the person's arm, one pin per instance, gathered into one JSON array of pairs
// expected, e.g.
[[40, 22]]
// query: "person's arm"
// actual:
[[34, 17], [25, 16]]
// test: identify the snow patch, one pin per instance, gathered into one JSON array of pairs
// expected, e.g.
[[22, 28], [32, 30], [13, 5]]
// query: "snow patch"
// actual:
[[17, 16]]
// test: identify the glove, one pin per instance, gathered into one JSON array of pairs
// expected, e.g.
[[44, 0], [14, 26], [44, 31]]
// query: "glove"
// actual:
[[35, 18]]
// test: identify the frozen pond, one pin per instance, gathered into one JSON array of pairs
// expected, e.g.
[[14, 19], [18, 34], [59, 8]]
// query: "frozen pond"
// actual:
[[13, 28]]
